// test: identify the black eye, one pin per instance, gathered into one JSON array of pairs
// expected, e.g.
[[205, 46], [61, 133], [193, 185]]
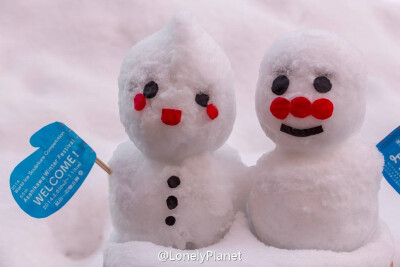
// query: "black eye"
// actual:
[[202, 99], [322, 84], [150, 89], [280, 85]]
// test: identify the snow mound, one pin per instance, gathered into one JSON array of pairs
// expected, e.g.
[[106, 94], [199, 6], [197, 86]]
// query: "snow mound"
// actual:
[[378, 252]]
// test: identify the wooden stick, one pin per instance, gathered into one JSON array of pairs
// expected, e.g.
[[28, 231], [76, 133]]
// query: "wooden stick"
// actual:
[[103, 166]]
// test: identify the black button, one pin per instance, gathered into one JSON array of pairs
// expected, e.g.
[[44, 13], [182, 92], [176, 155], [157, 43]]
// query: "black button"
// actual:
[[170, 220], [150, 89], [322, 84], [202, 99], [173, 181], [280, 85], [172, 202]]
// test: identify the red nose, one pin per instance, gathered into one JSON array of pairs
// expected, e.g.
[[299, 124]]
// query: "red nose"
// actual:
[[301, 107], [171, 116]]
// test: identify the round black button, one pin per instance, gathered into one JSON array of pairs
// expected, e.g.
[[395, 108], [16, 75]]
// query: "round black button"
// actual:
[[202, 99], [172, 202], [280, 85], [322, 84], [150, 89], [170, 220], [173, 181]]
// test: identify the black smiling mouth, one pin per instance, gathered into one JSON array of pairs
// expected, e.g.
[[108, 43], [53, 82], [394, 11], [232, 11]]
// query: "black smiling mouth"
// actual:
[[301, 132]]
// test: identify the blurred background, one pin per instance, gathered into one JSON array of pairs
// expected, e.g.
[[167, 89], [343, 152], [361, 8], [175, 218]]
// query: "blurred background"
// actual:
[[59, 61]]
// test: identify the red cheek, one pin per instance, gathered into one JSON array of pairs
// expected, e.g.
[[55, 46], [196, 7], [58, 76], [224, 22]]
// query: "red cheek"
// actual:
[[280, 108], [322, 108], [139, 102], [212, 111]]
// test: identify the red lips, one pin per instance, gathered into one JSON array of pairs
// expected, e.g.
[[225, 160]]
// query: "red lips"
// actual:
[[171, 116], [301, 107]]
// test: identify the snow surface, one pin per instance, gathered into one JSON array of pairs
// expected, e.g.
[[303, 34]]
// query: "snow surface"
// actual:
[[376, 253], [60, 61]]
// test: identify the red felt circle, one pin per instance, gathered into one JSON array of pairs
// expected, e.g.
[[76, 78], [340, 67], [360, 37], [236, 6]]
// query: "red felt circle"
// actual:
[[171, 116], [322, 108], [139, 102], [212, 111], [300, 107], [280, 108]]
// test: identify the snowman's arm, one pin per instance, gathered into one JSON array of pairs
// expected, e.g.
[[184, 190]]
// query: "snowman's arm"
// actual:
[[125, 161], [370, 158]]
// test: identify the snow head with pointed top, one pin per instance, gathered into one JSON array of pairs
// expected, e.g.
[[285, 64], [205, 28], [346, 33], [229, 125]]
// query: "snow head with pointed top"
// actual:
[[176, 96], [310, 91]]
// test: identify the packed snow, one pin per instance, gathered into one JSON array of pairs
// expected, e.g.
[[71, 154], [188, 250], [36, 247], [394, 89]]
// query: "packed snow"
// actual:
[[60, 62], [292, 207], [173, 189], [252, 252], [182, 61], [317, 189], [200, 205], [296, 60]]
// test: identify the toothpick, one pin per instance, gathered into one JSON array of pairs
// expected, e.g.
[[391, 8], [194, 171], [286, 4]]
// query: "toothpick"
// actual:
[[103, 166]]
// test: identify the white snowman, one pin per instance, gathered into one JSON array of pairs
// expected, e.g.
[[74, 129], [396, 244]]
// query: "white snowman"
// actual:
[[177, 105], [319, 188]]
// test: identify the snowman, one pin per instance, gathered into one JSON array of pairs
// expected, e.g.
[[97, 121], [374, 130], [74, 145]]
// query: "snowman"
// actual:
[[172, 186], [319, 188]]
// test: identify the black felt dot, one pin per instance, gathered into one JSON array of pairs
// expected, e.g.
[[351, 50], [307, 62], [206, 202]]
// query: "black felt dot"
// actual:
[[202, 99], [150, 89], [170, 220], [172, 202], [322, 84], [173, 181], [280, 85]]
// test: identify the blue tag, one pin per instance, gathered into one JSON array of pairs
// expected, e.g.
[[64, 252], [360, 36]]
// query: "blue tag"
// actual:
[[44, 182], [390, 148]]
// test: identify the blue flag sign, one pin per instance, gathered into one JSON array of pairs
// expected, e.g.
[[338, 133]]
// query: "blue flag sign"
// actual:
[[44, 182], [390, 148]]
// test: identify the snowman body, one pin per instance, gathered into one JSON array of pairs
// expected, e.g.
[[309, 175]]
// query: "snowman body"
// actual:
[[172, 185], [319, 188], [326, 200], [183, 205]]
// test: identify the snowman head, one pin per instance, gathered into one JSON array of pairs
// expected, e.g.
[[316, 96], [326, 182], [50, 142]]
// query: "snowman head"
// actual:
[[176, 96], [310, 91]]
